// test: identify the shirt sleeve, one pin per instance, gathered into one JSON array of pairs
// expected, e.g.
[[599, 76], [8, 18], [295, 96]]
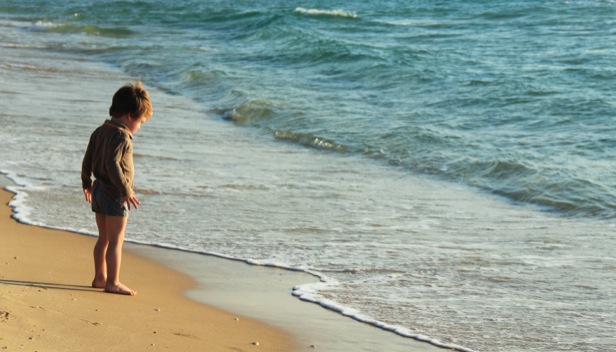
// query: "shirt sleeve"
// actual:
[[86, 167], [118, 163]]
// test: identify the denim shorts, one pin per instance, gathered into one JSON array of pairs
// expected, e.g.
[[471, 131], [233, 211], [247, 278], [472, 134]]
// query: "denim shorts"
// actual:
[[106, 203]]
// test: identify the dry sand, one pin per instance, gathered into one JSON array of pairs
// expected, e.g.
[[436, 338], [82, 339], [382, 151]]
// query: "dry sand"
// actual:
[[46, 303]]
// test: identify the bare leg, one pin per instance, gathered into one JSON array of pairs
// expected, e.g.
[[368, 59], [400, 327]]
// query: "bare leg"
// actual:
[[100, 251], [115, 226]]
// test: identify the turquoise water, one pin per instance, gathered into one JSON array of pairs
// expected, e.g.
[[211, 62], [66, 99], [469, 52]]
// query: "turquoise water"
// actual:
[[445, 167], [511, 97]]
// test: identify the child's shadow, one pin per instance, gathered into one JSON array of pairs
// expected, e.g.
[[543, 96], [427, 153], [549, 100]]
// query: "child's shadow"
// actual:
[[47, 285]]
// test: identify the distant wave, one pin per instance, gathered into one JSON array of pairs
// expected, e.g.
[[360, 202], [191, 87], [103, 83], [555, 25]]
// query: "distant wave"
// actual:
[[92, 30], [309, 140], [335, 13], [247, 112]]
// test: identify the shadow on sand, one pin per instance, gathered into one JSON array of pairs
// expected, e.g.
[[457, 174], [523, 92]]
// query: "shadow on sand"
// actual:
[[47, 285]]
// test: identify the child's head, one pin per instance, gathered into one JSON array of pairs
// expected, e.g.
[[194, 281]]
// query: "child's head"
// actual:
[[132, 100]]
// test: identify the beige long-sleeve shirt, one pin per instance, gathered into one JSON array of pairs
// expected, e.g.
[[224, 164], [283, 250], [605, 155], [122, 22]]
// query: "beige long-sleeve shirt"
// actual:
[[109, 158]]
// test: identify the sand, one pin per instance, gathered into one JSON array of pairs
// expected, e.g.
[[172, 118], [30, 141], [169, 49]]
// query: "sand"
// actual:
[[46, 303]]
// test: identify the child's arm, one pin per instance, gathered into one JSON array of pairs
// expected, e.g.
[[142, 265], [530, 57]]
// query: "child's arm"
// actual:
[[86, 173]]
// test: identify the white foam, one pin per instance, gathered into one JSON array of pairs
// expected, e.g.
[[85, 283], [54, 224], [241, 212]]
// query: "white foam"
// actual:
[[310, 293], [335, 13], [44, 25]]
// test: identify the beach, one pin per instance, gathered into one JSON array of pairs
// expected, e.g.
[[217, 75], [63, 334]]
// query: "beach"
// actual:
[[47, 305], [391, 176]]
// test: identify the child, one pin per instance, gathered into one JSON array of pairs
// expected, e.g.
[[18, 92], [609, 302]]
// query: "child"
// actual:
[[110, 158]]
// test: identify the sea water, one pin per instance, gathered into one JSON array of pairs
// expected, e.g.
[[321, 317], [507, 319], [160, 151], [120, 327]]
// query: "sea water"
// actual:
[[444, 168]]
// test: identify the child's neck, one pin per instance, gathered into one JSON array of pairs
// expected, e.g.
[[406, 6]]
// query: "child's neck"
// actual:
[[124, 119]]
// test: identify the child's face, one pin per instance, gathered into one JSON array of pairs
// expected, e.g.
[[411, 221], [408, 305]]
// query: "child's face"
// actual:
[[135, 124]]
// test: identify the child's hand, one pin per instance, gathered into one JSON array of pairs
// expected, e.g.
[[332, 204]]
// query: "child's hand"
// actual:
[[131, 200], [88, 193]]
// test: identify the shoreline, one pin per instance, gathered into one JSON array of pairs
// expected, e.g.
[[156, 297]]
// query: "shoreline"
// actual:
[[268, 316], [46, 303], [264, 293]]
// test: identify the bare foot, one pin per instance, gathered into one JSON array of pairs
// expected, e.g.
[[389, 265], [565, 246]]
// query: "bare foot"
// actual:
[[99, 283], [120, 289]]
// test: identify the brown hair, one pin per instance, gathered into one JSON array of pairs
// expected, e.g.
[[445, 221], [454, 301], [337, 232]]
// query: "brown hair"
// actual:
[[132, 99]]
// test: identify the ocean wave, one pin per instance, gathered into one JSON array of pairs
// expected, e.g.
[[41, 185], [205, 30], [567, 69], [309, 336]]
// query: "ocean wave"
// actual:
[[309, 140], [333, 13], [25, 67], [87, 29], [247, 112], [527, 182]]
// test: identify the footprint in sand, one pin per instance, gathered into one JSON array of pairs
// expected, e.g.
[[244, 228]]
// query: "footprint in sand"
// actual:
[[95, 323]]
